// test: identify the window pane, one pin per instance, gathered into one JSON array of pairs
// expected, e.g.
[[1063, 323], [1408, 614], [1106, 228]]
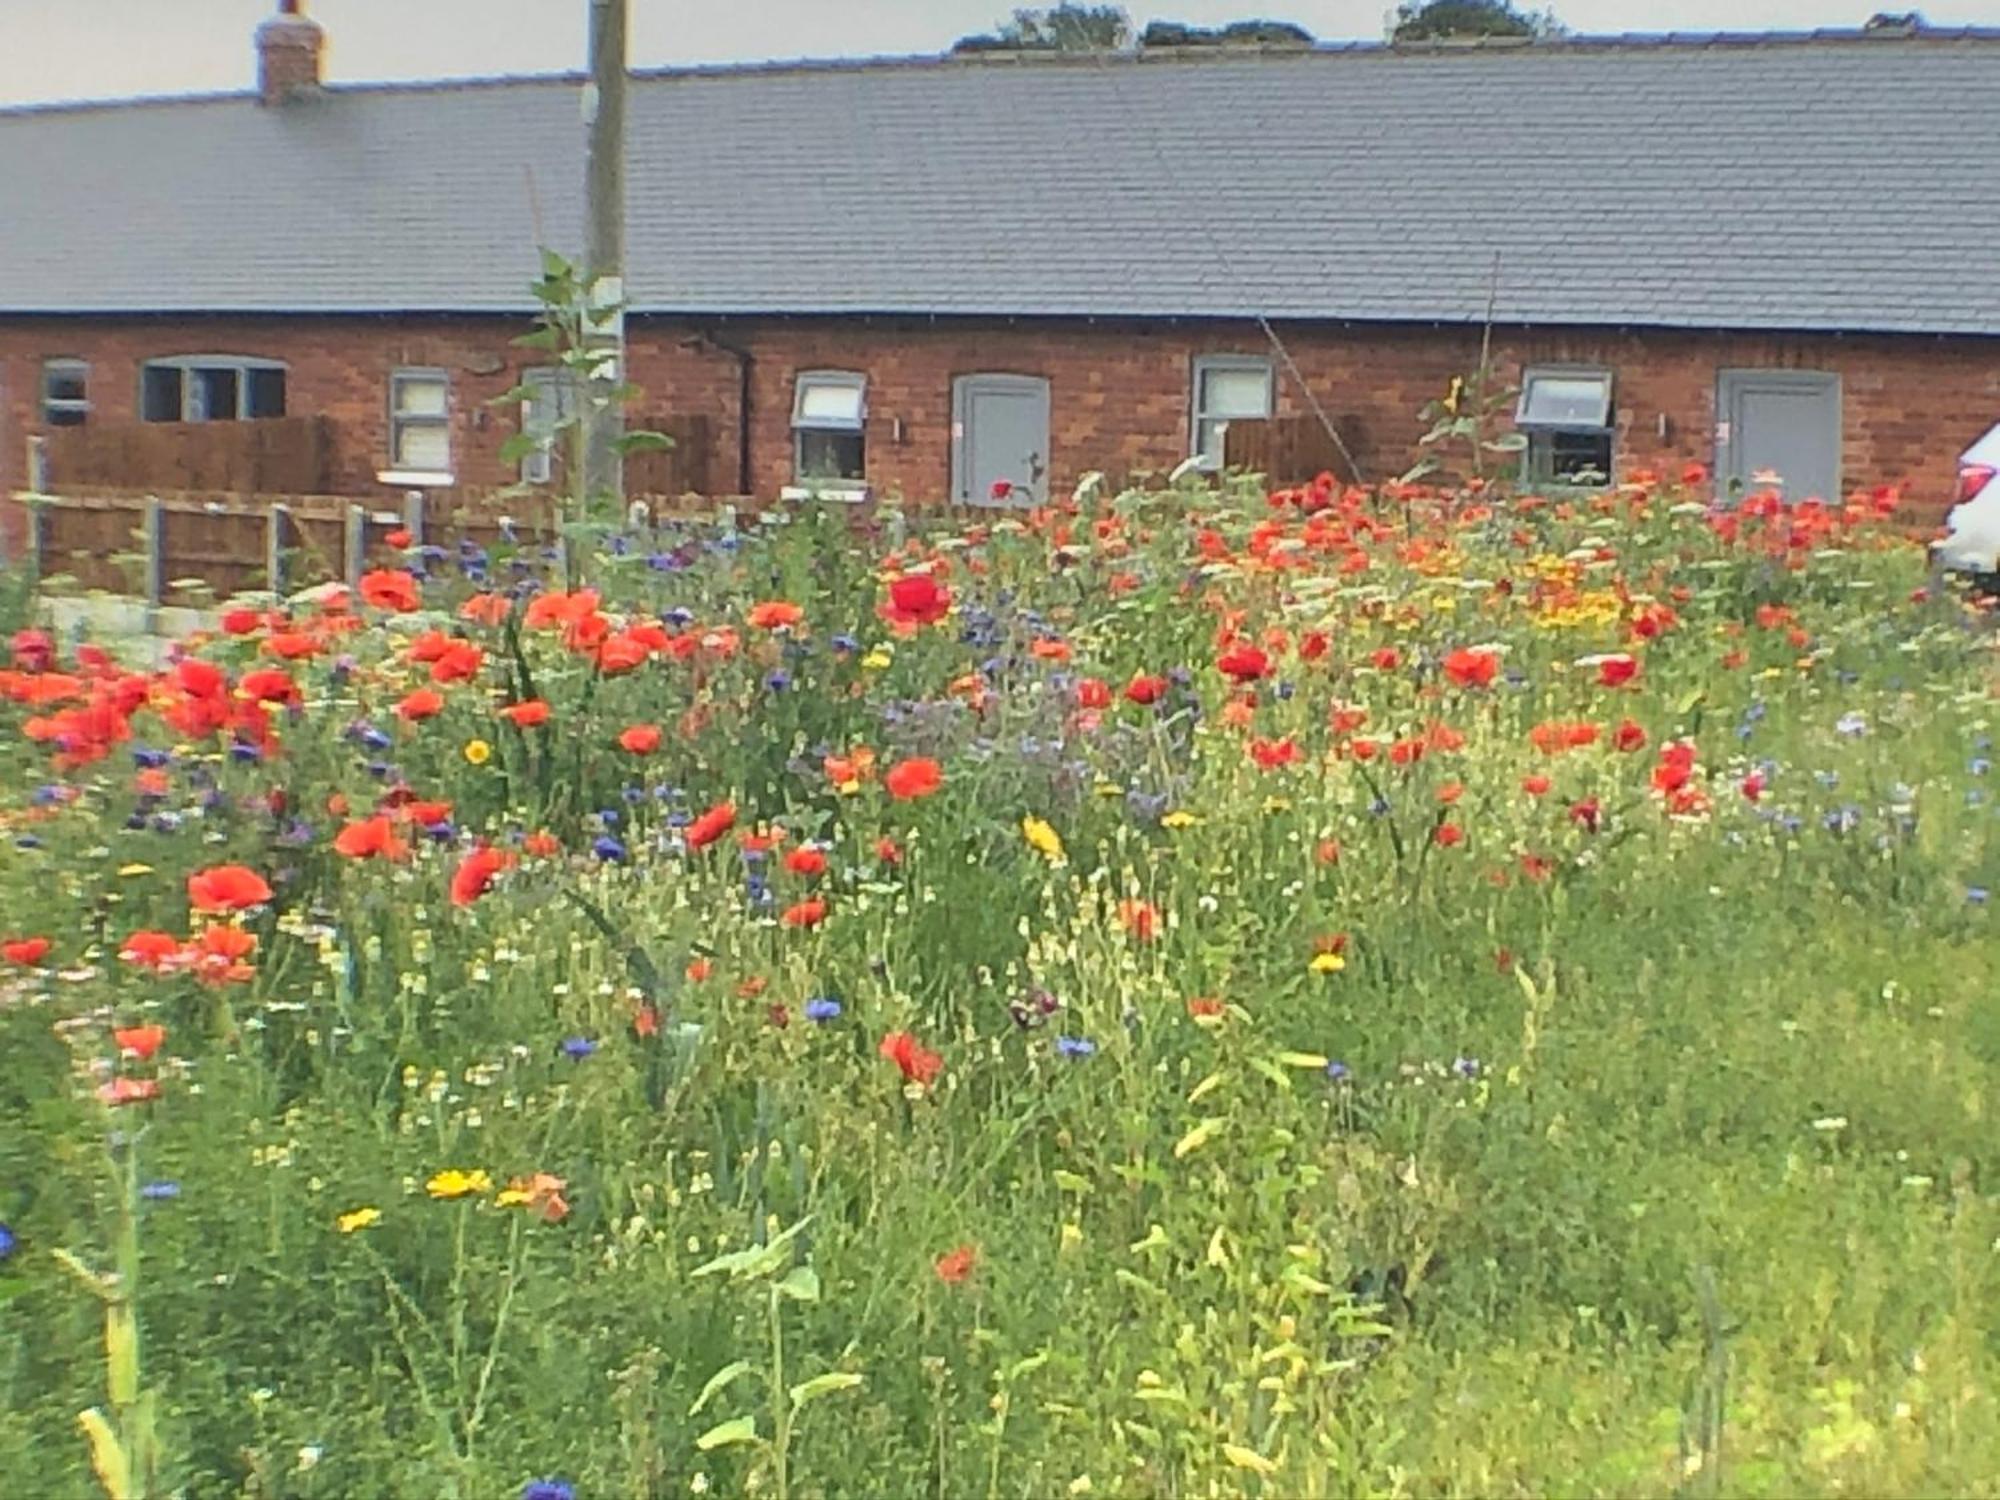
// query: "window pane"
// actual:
[[1240, 392], [65, 380], [828, 453], [1209, 442], [215, 393], [827, 403], [1580, 458], [267, 393], [551, 401], [1566, 401], [160, 394], [423, 448], [420, 395]]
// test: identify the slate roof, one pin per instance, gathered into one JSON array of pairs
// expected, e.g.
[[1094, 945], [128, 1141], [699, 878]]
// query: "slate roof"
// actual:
[[1820, 181]]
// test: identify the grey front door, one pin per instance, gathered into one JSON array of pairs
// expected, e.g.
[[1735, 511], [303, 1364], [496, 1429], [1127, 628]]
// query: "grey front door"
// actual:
[[1782, 422], [1000, 439]]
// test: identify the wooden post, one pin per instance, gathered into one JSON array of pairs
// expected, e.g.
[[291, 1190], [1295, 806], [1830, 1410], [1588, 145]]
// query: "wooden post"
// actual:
[[356, 548], [275, 527], [38, 464], [413, 516], [153, 531], [604, 248], [38, 539]]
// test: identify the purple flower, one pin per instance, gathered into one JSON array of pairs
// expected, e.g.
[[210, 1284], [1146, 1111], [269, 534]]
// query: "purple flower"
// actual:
[[157, 1192], [1075, 1046], [822, 1008], [578, 1047], [1337, 1071], [548, 1489]]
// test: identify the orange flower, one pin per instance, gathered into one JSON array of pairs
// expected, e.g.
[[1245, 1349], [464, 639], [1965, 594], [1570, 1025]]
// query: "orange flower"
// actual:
[[141, 1041], [292, 645], [546, 611], [1472, 668], [711, 825], [640, 739], [954, 1266], [426, 814], [526, 715], [621, 653], [424, 703], [460, 661], [699, 969], [391, 589], [371, 838], [486, 609], [150, 950], [1140, 918], [27, 952], [217, 955], [917, 1063], [774, 614], [475, 874], [808, 913], [806, 860], [541, 844], [910, 779], [227, 888], [120, 1091]]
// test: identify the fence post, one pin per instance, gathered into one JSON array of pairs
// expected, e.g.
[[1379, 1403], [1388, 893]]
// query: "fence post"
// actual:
[[38, 464], [274, 548], [356, 547], [38, 538], [153, 531], [413, 516]]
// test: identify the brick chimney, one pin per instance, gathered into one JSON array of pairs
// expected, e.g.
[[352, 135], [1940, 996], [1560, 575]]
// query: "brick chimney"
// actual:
[[288, 54]]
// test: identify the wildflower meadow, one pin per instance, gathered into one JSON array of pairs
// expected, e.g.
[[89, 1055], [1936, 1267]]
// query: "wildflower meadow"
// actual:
[[1182, 992]]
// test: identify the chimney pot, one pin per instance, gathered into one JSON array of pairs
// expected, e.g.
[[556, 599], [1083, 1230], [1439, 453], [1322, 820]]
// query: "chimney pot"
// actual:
[[289, 46]]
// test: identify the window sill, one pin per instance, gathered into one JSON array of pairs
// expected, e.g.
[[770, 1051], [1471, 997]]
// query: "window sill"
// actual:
[[845, 493], [415, 479]]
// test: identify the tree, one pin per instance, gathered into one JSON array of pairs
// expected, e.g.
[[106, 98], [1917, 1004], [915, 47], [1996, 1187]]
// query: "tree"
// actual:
[[1235, 34], [1067, 27], [1430, 20]]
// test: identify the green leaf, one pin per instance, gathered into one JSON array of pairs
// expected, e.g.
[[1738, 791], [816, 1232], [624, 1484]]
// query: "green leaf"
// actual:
[[801, 1284], [518, 447], [716, 1382], [728, 1434], [1508, 442], [1070, 1181], [823, 1385], [541, 338], [643, 442]]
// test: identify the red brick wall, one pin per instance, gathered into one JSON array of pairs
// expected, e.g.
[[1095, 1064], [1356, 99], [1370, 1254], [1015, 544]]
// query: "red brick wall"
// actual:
[[1119, 390]]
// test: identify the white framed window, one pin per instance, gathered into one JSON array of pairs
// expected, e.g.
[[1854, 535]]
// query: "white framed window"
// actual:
[[1566, 416], [1227, 388], [420, 421], [65, 392], [829, 413], [211, 388], [550, 406]]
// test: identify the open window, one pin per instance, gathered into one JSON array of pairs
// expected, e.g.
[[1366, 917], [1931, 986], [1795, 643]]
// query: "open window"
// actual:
[[829, 411], [1566, 417], [551, 405], [420, 422], [1227, 388], [65, 392], [211, 388]]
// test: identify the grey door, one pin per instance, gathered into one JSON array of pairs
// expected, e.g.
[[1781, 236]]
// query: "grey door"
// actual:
[[1782, 422], [1000, 439]]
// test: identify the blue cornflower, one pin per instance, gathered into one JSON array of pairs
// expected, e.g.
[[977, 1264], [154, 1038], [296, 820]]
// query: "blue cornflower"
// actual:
[[578, 1047], [1337, 1071], [157, 1192], [149, 759], [1465, 1067], [7, 1242], [847, 645], [822, 1008], [1075, 1046], [245, 752], [1976, 894], [370, 738], [777, 682], [605, 847], [46, 795], [1980, 765], [680, 616]]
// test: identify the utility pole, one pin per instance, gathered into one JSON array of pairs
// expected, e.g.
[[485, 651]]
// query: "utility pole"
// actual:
[[604, 250]]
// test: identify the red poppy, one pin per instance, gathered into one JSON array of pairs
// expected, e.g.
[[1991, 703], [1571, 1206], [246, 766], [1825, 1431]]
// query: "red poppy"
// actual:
[[1676, 767], [200, 679], [1143, 689], [699, 969], [121, 1091], [1471, 668], [486, 609], [774, 614], [1752, 786], [711, 825], [227, 888], [918, 1063], [526, 715], [424, 703], [371, 838], [1385, 659], [1535, 786], [548, 610], [1616, 671], [427, 814], [1243, 662], [954, 1266], [913, 778], [888, 851], [1140, 918], [916, 599], [1093, 692], [27, 952], [1206, 1007], [541, 844], [150, 950], [1313, 645], [640, 739], [1327, 852], [1272, 754], [1628, 736], [1447, 835], [475, 874], [808, 913], [806, 860], [268, 685], [391, 589], [242, 621], [460, 661], [293, 645], [1585, 813], [141, 1041]]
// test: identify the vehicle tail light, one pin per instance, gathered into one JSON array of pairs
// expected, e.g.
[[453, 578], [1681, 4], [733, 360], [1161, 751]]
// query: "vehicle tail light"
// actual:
[[1973, 478]]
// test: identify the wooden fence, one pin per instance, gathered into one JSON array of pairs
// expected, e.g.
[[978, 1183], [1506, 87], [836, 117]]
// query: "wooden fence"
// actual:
[[271, 456], [1286, 450]]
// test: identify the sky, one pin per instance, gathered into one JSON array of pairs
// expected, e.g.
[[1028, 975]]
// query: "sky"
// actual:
[[95, 49]]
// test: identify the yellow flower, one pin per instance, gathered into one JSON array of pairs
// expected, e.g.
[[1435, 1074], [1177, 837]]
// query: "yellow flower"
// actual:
[[452, 1183], [135, 869], [1042, 838], [478, 752], [356, 1219], [1327, 963], [877, 660], [1179, 818]]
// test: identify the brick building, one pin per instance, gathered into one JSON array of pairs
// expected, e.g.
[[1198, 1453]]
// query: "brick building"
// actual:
[[973, 277]]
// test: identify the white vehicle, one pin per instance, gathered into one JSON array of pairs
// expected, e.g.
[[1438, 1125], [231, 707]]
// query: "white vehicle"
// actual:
[[1972, 540]]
